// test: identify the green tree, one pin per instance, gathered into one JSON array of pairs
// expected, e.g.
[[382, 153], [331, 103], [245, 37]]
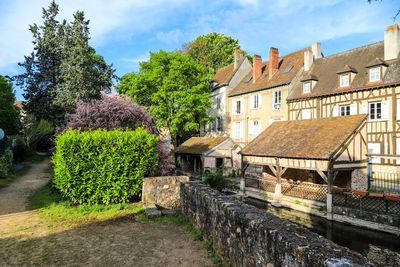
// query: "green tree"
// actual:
[[83, 73], [62, 68], [174, 90], [213, 51], [9, 114]]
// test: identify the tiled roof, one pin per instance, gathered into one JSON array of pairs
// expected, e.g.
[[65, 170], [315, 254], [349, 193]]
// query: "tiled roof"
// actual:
[[199, 145], [326, 69], [19, 104], [313, 139], [295, 59], [223, 75]]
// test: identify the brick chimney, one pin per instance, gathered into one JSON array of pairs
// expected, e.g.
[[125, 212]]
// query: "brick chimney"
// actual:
[[273, 61], [391, 42], [237, 58], [257, 65]]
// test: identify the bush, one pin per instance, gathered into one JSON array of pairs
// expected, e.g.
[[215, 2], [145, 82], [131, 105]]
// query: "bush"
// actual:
[[35, 131], [216, 179], [19, 147], [103, 166], [6, 163], [119, 112]]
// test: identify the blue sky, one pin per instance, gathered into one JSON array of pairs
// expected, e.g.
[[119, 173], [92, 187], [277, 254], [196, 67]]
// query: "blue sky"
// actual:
[[124, 31]]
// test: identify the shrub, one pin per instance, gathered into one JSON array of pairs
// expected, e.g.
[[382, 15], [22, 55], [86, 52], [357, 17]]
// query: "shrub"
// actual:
[[216, 179], [18, 147], [118, 112], [103, 166], [34, 130], [6, 163]]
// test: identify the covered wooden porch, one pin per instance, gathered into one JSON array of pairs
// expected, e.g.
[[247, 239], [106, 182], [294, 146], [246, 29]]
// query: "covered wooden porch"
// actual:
[[326, 146]]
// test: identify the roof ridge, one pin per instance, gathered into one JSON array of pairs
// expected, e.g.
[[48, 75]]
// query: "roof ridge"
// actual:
[[352, 50]]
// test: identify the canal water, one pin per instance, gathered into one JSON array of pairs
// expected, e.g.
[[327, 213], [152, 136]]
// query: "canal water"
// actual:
[[379, 247]]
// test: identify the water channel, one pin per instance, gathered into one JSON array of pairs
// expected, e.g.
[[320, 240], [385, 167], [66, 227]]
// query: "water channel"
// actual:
[[382, 248]]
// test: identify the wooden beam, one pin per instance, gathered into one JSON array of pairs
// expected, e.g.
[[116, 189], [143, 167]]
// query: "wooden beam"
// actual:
[[322, 174], [272, 168], [283, 171]]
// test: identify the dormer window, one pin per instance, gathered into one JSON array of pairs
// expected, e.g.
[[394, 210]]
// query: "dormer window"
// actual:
[[344, 80], [309, 82], [375, 74], [306, 87]]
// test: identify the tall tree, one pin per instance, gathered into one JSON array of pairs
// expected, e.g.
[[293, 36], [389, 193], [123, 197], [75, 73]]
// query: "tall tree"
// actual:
[[42, 67], [174, 90], [83, 73], [9, 114], [63, 68], [213, 51]]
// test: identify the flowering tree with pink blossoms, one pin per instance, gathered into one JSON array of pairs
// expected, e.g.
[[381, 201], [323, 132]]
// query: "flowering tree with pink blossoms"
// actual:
[[119, 112]]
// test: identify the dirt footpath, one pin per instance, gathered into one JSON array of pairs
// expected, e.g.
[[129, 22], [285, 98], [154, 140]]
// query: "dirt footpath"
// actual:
[[14, 197]]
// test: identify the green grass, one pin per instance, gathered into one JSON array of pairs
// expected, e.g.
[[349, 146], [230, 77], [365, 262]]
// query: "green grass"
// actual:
[[54, 208], [35, 159]]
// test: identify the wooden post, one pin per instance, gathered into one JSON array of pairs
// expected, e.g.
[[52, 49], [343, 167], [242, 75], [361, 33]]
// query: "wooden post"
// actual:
[[195, 164], [242, 181], [329, 196], [278, 186]]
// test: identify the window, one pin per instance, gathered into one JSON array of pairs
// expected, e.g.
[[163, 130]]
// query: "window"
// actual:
[[219, 124], [398, 149], [237, 106], [255, 101], [374, 74], [237, 130], [306, 114], [255, 127], [375, 111], [345, 110], [218, 102], [288, 68], [277, 100], [374, 148], [344, 80], [306, 87]]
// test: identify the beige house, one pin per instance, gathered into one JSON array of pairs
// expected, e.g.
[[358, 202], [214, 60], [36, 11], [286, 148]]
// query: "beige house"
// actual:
[[363, 80], [222, 83], [260, 97]]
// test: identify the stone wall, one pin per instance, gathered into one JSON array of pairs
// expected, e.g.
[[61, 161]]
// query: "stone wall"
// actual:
[[247, 236], [163, 191], [359, 179]]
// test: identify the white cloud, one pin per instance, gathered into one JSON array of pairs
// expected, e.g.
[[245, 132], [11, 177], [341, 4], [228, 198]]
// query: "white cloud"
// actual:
[[172, 37]]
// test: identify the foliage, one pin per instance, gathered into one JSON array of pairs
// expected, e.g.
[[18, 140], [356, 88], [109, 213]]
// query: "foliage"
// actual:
[[216, 179], [9, 114], [119, 112], [19, 147], [212, 51], [60, 63], [6, 163], [173, 87], [103, 166], [35, 130]]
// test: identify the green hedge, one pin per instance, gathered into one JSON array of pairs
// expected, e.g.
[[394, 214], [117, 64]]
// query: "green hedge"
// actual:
[[6, 163], [103, 166]]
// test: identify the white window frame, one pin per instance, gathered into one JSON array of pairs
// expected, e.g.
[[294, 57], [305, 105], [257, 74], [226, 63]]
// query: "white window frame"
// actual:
[[276, 105], [344, 109], [234, 106], [237, 130], [306, 114], [255, 101], [307, 87], [344, 79], [255, 127], [373, 110], [398, 149], [375, 74], [220, 125]]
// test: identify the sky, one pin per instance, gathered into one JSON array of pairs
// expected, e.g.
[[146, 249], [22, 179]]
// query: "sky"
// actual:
[[125, 31]]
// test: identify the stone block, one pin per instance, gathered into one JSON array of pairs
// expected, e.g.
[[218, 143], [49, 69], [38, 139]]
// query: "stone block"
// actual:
[[359, 179]]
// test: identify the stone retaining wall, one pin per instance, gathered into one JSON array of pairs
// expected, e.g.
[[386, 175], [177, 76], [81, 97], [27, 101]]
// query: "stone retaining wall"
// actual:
[[247, 236], [163, 191]]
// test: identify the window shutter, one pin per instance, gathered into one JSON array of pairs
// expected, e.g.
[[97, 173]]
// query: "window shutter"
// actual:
[[259, 100], [241, 129], [398, 110], [251, 127], [233, 107], [259, 127], [385, 110], [241, 105], [398, 146], [364, 108], [251, 102], [335, 111], [353, 109], [306, 114]]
